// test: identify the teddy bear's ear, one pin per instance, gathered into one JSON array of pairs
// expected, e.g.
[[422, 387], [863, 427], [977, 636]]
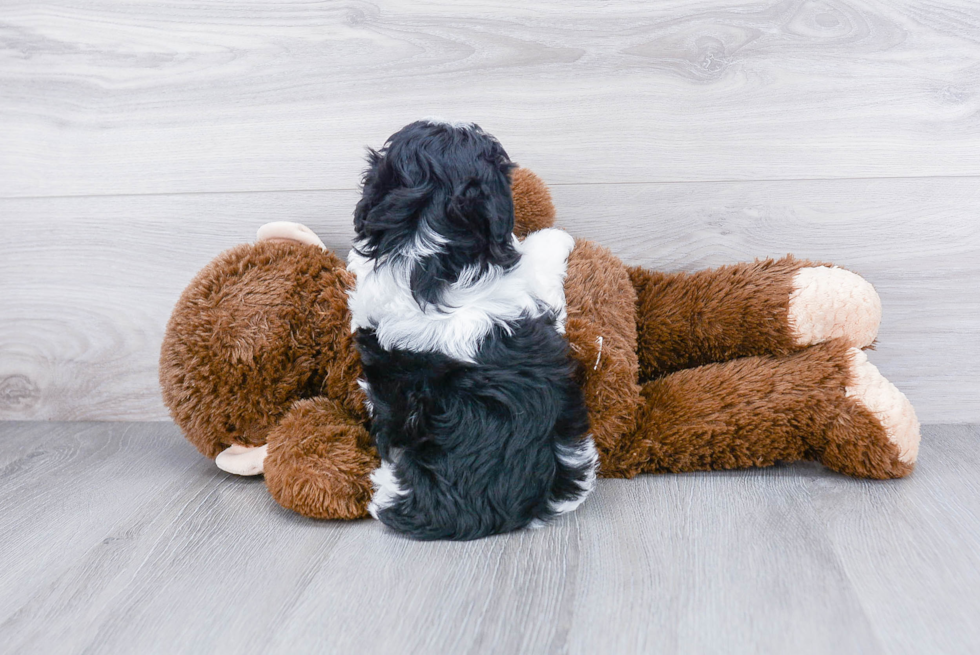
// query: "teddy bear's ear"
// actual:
[[533, 209]]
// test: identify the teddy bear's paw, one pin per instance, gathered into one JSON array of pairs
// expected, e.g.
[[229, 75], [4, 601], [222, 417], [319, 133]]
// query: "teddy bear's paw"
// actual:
[[832, 303], [288, 231], [889, 405], [242, 460]]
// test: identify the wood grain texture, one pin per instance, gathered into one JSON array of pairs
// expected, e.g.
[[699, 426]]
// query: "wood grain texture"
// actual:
[[106, 98], [119, 538], [87, 284]]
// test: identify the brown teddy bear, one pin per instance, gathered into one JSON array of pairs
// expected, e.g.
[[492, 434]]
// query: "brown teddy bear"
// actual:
[[740, 366]]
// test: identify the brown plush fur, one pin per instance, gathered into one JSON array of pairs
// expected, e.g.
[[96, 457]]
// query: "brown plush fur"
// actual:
[[689, 319], [694, 372], [533, 209], [601, 304], [783, 404], [258, 328], [757, 411], [320, 461]]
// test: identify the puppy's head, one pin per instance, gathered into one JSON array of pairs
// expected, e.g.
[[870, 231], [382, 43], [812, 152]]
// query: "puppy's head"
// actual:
[[437, 200]]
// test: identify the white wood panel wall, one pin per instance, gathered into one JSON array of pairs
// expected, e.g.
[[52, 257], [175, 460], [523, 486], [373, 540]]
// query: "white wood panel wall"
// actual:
[[139, 140]]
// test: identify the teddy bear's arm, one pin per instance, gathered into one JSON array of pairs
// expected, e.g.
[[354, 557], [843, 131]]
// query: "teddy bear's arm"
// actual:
[[320, 460], [765, 307]]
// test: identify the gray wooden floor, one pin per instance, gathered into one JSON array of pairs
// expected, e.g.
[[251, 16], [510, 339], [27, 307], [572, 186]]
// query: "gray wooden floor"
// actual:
[[119, 538]]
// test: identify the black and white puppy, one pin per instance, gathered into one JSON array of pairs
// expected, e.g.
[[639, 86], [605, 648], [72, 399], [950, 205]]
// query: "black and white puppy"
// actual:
[[476, 413]]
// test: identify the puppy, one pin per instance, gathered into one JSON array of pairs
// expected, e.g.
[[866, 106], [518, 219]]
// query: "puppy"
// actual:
[[476, 413]]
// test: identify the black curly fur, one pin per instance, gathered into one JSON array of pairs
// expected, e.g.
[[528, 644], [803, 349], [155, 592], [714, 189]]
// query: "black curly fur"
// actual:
[[437, 179], [487, 445], [474, 443]]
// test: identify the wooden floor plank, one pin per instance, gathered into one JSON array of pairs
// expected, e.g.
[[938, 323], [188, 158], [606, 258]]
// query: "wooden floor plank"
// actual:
[[103, 98], [87, 285], [912, 550], [120, 538]]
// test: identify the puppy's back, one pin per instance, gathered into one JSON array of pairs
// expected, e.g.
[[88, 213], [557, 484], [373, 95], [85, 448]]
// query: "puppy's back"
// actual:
[[478, 448]]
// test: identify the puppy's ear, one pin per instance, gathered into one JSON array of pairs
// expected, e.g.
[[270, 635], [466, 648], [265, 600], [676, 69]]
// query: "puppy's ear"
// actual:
[[485, 210], [370, 183], [501, 215], [386, 216]]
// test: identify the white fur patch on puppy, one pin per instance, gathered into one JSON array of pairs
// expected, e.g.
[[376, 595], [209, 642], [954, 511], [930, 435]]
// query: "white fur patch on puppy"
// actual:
[[582, 456], [833, 303], [242, 460], [386, 488], [438, 120], [366, 390], [887, 403], [544, 263], [288, 231], [471, 307]]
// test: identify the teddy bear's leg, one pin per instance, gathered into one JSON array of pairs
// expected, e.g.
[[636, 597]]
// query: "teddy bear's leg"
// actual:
[[759, 308], [824, 403], [260, 327], [320, 461], [876, 406]]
